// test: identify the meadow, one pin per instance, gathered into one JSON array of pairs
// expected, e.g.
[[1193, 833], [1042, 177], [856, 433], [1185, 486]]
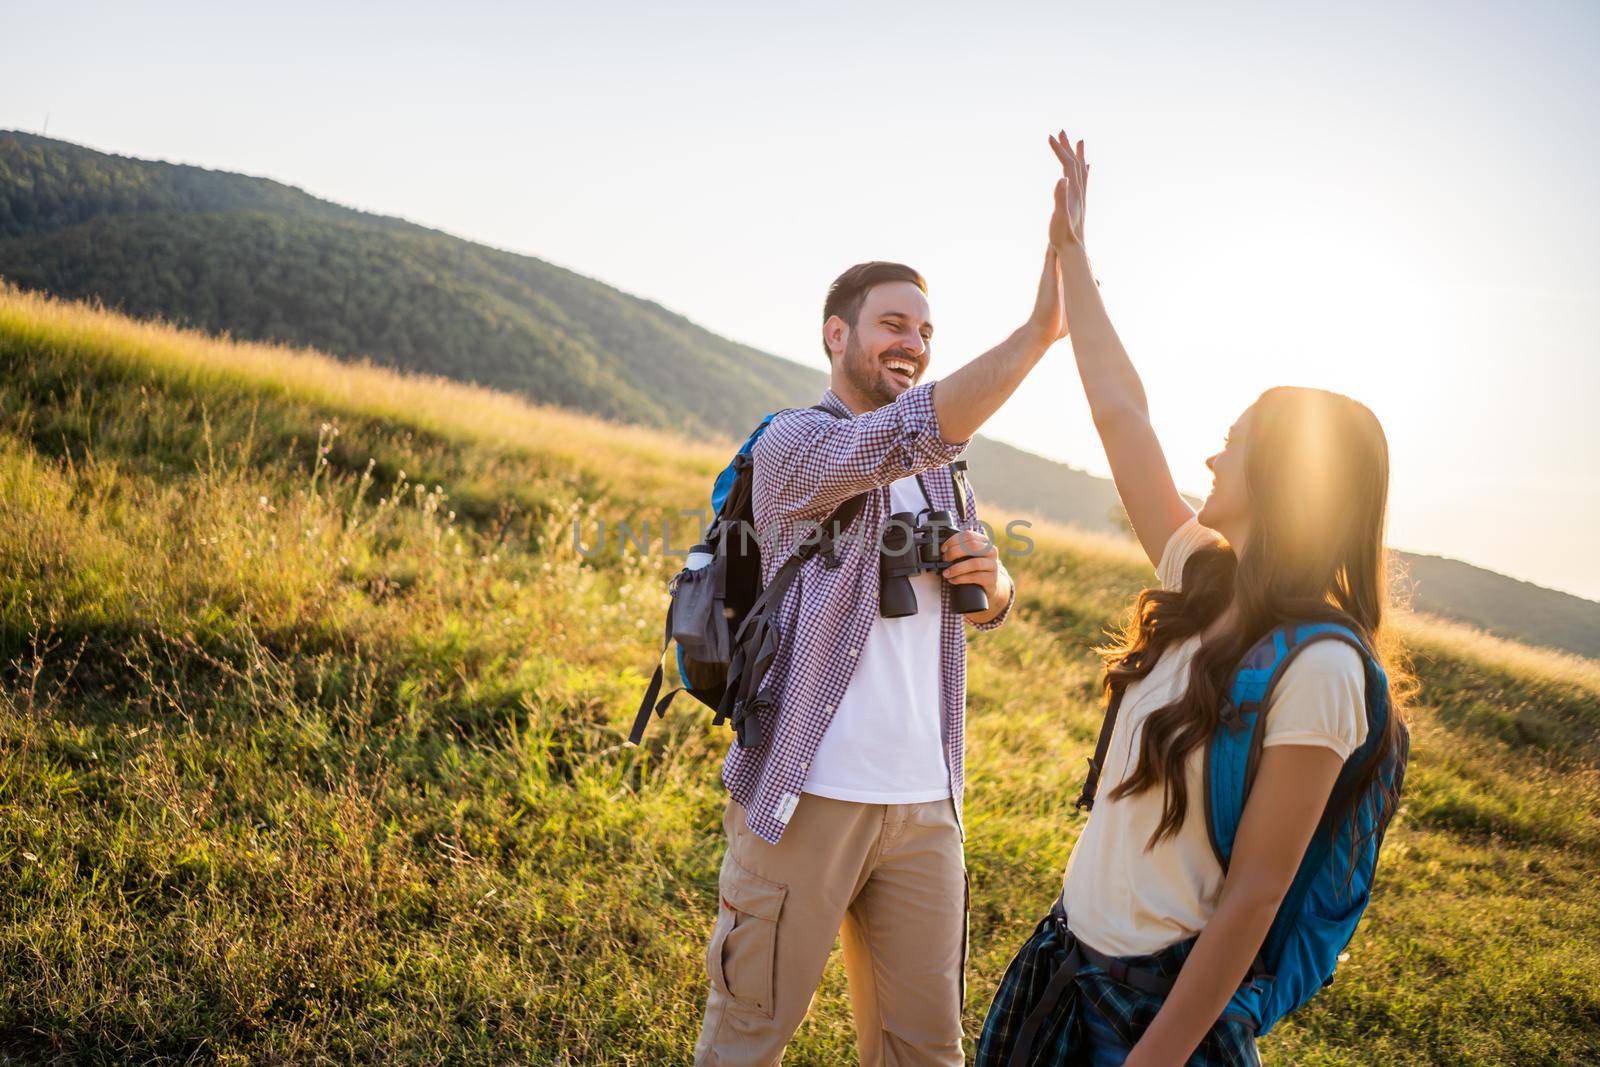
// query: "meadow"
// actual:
[[312, 742]]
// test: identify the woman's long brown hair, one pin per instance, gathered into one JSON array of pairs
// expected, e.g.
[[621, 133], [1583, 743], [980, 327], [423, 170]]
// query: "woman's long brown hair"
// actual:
[[1317, 475]]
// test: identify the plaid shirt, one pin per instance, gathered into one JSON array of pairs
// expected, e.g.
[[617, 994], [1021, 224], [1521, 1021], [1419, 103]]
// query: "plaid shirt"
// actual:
[[1068, 1035], [806, 464]]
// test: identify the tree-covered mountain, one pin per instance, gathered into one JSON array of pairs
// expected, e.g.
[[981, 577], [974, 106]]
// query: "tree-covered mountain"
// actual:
[[265, 261], [1505, 606]]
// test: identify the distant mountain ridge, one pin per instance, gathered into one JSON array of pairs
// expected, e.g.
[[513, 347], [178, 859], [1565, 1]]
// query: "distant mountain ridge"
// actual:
[[264, 261], [1502, 605], [261, 260]]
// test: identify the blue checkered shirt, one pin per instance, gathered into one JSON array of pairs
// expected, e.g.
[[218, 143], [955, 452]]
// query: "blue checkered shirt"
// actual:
[[806, 464]]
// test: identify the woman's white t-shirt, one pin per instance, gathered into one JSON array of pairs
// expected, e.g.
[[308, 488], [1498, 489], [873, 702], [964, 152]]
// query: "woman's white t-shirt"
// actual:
[[1126, 901]]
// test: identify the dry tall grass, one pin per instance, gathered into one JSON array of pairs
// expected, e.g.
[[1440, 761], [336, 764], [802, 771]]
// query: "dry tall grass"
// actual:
[[311, 743]]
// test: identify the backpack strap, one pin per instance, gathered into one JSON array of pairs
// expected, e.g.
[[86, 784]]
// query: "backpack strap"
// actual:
[[1097, 764], [642, 719], [739, 701], [1091, 781], [1234, 754], [833, 526]]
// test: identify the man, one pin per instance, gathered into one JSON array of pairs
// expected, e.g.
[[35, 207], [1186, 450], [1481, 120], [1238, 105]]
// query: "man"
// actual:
[[848, 813]]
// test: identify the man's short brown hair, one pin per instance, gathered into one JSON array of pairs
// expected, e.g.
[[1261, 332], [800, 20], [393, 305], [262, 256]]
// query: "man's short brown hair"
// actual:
[[849, 290]]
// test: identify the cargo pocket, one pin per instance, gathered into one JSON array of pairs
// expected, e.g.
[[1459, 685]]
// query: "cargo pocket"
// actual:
[[742, 956]]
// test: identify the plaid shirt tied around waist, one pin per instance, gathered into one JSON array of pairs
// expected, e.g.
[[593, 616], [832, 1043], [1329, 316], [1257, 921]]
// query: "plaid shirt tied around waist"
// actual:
[[1037, 1018], [806, 464]]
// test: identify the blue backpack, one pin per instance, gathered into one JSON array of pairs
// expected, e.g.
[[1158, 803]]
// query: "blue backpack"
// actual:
[[1324, 904]]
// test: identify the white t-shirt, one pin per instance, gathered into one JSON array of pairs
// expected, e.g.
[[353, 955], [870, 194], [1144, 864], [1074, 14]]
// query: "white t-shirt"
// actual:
[[1126, 901], [884, 744]]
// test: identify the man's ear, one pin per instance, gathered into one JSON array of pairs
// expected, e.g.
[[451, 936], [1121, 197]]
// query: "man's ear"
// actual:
[[835, 334]]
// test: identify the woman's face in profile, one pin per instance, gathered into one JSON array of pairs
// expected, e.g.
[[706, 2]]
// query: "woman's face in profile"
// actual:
[[1227, 508]]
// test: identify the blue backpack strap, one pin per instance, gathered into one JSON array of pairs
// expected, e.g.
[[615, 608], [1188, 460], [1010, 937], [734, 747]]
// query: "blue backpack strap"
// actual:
[[1227, 759], [1235, 749]]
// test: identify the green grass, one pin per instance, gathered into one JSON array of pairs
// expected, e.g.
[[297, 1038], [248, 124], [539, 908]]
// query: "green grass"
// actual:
[[303, 758]]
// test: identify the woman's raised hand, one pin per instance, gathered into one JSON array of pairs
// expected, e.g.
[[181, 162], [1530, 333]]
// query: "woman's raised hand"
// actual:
[[1066, 224]]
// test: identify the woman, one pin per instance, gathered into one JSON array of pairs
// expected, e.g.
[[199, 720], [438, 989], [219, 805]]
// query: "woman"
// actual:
[[1291, 532]]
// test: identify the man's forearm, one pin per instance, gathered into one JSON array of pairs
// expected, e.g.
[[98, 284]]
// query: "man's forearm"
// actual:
[[966, 398]]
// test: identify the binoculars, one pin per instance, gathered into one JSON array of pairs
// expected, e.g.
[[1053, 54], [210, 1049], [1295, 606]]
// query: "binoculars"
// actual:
[[910, 545]]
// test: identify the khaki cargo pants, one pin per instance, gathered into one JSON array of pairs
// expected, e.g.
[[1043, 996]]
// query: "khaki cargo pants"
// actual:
[[891, 879]]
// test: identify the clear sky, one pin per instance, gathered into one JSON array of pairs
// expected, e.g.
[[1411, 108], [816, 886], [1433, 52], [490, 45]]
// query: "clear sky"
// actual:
[[1394, 200]]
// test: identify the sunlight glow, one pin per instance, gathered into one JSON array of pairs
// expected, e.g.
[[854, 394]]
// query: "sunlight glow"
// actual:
[[1392, 201]]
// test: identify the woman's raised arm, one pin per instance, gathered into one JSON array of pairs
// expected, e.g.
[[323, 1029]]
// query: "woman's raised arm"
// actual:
[[1116, 396]]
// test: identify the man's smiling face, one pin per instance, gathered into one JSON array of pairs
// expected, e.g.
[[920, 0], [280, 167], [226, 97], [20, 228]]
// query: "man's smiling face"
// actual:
[[885, 352]]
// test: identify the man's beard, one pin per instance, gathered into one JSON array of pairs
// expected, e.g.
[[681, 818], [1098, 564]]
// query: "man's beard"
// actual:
[[866, 374]]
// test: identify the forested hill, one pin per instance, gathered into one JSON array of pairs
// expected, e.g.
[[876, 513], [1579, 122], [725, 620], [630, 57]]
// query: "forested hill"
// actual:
[[1502, 605], [260, 260], [265, 261]]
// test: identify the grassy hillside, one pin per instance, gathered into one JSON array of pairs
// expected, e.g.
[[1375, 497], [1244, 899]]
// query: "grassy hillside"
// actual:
[[311, 743], [260, 260]]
